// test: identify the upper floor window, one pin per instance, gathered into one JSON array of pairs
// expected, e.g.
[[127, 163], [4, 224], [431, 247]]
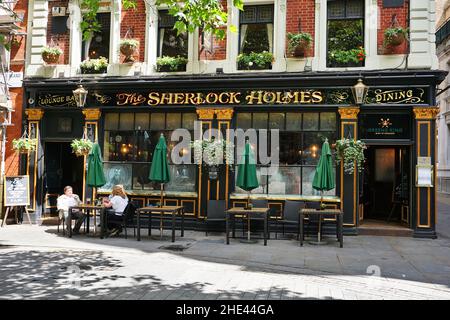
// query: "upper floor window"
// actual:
[[172, 48], [99, 44], [345, 33], [256, 37]]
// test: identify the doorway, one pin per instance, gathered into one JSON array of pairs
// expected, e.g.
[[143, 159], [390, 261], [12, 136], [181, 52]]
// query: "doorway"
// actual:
[[385, 182], [61, 168]]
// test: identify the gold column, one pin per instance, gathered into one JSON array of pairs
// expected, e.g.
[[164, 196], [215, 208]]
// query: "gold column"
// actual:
[[426, 146], [34, 117], [349, 183], [224, 117]]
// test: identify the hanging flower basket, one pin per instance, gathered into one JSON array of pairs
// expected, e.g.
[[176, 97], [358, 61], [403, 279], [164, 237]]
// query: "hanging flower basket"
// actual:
[[24, 145], [128, 48], [299, 43], [51, 55], [213, 153], [81, 147], [351, 153], [394, 37]]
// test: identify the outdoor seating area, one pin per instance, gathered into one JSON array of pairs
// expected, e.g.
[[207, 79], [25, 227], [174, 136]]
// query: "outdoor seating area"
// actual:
[[116, 213]]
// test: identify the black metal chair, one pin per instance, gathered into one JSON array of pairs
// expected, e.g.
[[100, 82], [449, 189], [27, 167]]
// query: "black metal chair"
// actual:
[[260, 203], [291, 215], [215, 212], [129, 215]]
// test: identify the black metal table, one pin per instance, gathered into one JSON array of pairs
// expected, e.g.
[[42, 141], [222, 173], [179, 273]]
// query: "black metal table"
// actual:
[[326, 212], [172, 210], [88, 208], [250, 214]]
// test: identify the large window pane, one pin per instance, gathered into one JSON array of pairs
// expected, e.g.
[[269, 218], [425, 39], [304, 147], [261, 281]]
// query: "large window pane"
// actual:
[[328, 121], [286, 180], [244, 120], [143, 144], [276, 121], [111, 121], [307, 180], [117, 173], [183, 178], [173, 121], [142, 121], [312, 147], [126, 121], [256, 37], [120, 146], [188, 120], [290, 148], [158, 121], [310, 121], [99, 45], [293, 121], [260, 120]]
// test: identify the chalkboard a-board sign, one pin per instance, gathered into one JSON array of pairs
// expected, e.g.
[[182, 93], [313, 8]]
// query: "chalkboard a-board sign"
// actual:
[[17, 191]]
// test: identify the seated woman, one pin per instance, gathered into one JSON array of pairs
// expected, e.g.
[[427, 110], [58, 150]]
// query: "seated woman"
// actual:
[[117, 201]]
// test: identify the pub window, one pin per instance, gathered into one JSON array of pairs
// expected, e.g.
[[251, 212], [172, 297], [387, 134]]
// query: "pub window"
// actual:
[[169, 43], [301, 137], [345, 33], [129, 142], [99, 44], [255, 32]]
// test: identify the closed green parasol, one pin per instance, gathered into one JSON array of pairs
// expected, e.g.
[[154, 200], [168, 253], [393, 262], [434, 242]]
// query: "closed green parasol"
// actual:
[[246, 176], [95, 175], [159, 171], [323, 177]]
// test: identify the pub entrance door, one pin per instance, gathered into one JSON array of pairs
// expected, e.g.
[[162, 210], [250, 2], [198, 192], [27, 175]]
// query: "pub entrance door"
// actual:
[[61, 168], [385, 186]]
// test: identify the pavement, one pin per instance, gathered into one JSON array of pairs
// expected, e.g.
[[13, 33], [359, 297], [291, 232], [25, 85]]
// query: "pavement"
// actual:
[[443, 217], [38, 263]]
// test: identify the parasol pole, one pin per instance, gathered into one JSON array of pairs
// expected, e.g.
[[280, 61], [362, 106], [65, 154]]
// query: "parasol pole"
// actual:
[[161, 204], [248, 215]]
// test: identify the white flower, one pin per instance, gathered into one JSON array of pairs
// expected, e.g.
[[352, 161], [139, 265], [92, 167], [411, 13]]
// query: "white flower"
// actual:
[[250, 63]]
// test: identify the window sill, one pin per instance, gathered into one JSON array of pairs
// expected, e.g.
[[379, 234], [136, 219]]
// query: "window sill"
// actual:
[[156, 193], [298, 197]]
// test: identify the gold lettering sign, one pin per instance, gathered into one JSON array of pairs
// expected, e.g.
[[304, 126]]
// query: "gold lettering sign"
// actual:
[[221, 98]]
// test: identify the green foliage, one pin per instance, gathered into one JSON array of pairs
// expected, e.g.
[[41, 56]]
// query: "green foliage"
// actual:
[[255, 60], [351, 152], [129, 42], [347, 56], [81, 147], [391, 33], [5, 41], [344, 39], [24, 144], [297, 39], [52, 51], [94, 65], [90, 25], [174, 63], [207, 15]]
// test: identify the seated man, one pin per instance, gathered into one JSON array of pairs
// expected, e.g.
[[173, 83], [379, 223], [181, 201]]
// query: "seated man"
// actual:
[[69, 199]]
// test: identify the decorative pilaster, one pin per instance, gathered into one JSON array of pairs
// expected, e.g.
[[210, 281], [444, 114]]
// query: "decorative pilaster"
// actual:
[[34, 117], [220, 119], [349, 182], [424, 219]]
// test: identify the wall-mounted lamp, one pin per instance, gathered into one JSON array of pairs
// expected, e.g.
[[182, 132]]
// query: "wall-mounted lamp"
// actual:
[[359, 91], [80, 95]]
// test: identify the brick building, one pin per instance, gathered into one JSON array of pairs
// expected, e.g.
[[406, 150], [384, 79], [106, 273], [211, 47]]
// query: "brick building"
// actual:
[[13, 27], [305, 93]]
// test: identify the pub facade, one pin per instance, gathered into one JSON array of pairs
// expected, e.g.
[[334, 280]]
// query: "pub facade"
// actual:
[[305, 100]]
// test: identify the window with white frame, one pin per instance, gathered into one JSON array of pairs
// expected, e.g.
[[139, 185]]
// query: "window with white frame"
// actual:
[[256, 37], [345, 33]]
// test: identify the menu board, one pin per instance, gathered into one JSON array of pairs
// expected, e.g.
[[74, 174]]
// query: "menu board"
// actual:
[[17, 191], [424, 176]]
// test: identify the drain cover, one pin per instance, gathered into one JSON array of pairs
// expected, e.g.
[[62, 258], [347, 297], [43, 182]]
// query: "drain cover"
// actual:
[[174, 247]]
